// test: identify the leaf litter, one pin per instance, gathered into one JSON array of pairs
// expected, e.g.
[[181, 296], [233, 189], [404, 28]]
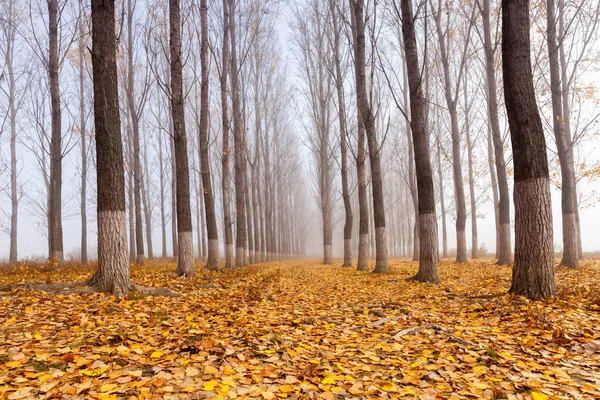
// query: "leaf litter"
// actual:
[[298, 329]]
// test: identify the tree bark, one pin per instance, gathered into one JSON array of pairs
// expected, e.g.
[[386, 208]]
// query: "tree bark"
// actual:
[[533, 271], [428, 246], [209, 202], [505, 245], [113, 268], [55, 232], [570, 254]]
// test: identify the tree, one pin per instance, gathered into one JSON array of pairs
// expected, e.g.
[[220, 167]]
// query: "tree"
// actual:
[[209, 202], [533, 271], [225, 181], [9, 30], [504, 244], [239, 144], [368, 120], [565, 150], [314, 52], [113, 267], [55, 233], [134, 111], [82, 133], [451, 91], [339, 86], [185, 240], [428, 240]]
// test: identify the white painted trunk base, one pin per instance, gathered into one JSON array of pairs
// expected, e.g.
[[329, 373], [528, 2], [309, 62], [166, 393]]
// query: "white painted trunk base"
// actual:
[[185, 261], [113, 260]]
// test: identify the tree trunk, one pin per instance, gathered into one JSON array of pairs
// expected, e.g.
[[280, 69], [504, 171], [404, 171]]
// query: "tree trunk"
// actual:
[[146, 202], [470, 145], [505, 249], [566, 117], [113, 268], [84, 254], [55, 232], [249, 213], [209, 202], [12, 109], [428, 240], [163, 220], [368, 120], [185, 260], [565, 154], [494, 184], [411, 169], [533, 271], [174, 221], [239, 145], [225, 183], [130, 202], [363, 207], [442, 204], [135, 125]]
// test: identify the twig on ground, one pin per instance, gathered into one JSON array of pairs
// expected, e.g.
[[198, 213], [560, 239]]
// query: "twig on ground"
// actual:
[[437, 329]]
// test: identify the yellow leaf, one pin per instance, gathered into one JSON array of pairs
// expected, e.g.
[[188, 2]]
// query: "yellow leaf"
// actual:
[[479, 370], [228, 381], [328, 381], [95, 371], [539, 396], [156, 354], [135, 373], [268, 395], [13, 364], [286, 388], [210, 385], [292, 353], [108, 387]]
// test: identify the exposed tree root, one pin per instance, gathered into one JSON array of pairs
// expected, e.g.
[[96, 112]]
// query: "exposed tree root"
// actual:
[[437, 329]]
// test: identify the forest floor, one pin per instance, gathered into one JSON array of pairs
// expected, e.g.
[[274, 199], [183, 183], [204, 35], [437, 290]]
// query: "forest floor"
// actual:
[[297, 329]]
